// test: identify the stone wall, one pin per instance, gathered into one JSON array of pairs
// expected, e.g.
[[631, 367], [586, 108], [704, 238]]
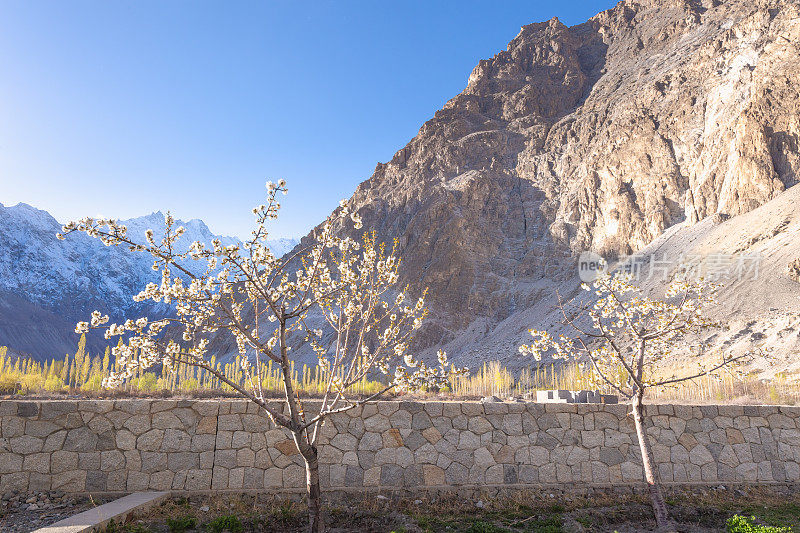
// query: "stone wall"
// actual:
[[134, 445]]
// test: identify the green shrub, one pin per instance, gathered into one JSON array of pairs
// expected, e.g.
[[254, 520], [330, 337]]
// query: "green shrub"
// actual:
[[229, 522], [181, 524], [742, 524]]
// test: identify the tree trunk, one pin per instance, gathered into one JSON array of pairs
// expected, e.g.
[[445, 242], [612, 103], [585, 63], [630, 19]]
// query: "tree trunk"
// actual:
[[663, 520], [315, 523], [307, 451]]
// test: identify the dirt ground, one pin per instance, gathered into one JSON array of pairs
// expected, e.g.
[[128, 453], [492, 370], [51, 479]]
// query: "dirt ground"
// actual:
[[698, 511], [21, 513]]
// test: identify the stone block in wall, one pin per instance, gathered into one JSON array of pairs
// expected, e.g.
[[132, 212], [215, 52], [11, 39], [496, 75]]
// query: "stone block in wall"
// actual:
[[206, 407], [154, 462], [747, 472], [253, 478], [10, 462], [207, 459], [150, 440], [89, 461], [25, 444], [63, 461], [219, 478], [254, 423], [451, 410], [456, 474], [36, 462], [160, 406], [245, 457], [238, 406], [57, 409], [203, 442], [112, 460], [40, 428], [12, 426], [96, 481], [792, 471], [133, 407], [495, 408], [198, 479], [117, 418], [434, 408], [273, 477], [138, 424], [232, 422], [8, 408], [164, 419], [732, 411], [80, 439], [240, 439], [16, 481], [39, 482], [294, 476], [161, 481], [236, 478], [176, 440], [224, 440], [70, 481]]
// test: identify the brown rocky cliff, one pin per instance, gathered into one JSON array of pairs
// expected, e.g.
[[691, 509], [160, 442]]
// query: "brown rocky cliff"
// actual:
[[597, 136]]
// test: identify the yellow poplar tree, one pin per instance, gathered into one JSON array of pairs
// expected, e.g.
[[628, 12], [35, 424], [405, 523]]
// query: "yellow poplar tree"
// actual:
[[65, 370]]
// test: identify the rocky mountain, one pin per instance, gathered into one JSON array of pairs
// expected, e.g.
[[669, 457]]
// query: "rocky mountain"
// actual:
[[664, 128], [47, 285], [653, 116]]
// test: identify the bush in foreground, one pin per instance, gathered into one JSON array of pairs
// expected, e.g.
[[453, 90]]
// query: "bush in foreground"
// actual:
[[742, 524]]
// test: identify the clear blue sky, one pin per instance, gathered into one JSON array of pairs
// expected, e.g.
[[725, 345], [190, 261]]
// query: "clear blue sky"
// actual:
[[121, 108]]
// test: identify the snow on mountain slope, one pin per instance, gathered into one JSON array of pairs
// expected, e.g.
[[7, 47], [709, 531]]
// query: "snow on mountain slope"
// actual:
[[47, 285]]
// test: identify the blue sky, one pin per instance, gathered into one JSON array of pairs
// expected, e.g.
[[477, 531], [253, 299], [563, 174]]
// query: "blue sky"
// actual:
[[122, 108]]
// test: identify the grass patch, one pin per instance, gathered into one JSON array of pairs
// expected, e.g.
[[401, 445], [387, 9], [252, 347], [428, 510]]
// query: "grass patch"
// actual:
[[551, 524], [181, 523], [285, 515], [523, 512], [227, 522], [494, 521], [785, 514], [479, 526], [114, 527], [742, 524]]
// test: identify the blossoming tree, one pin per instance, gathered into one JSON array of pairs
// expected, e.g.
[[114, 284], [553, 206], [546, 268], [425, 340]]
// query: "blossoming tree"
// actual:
[[622, 337], [271, 306]]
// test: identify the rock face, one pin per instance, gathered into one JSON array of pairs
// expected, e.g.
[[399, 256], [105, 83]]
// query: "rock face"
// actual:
[[598, 136], [794, 270]]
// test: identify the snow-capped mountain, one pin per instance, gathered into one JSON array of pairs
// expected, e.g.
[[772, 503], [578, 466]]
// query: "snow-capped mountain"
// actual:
[[47, 285]]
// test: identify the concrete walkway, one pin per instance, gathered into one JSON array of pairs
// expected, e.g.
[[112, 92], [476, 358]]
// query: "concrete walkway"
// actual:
[[97, 518]]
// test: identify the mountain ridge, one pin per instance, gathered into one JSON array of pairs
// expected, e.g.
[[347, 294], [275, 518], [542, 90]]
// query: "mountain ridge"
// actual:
[[655, 118], [47, 285], [599, 136]]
